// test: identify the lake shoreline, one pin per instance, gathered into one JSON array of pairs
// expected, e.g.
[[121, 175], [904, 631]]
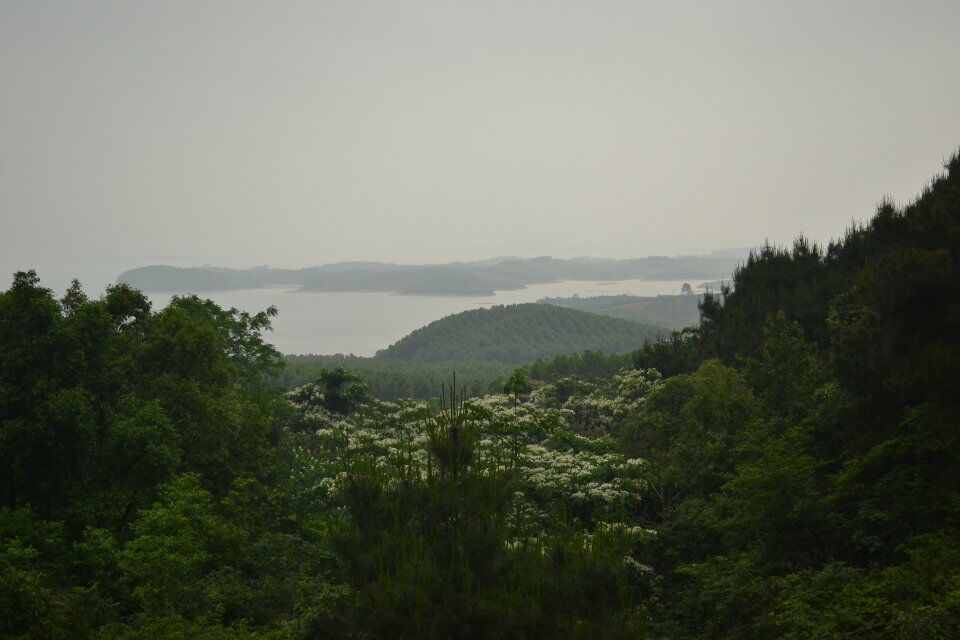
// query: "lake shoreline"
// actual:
[[363, 322]]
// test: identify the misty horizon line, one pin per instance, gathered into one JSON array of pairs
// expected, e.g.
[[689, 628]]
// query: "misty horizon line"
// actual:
[[732, 252]]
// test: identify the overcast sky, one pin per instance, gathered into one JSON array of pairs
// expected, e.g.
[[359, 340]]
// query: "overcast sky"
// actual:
[[297, 133]]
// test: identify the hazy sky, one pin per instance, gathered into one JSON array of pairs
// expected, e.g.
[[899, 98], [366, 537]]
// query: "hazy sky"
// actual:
[[296, 133]]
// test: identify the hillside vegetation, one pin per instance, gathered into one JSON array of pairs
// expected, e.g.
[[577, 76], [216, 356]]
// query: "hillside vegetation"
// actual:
[[514, 334], [804, 450], [394, 379], [672, 312]]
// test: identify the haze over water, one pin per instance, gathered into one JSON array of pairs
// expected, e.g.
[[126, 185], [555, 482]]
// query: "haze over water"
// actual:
[[362, 323], [334, 322], [239, 133]]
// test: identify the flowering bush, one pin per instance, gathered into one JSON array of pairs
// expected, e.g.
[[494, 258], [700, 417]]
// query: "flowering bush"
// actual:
[[554, 466]]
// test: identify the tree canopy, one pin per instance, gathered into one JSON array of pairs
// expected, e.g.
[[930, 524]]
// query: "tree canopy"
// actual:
[[519, 333]]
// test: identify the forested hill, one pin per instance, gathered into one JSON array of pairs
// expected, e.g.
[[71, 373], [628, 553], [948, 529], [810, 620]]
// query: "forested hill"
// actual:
[[804, 449], [673, 312], [519, 333]]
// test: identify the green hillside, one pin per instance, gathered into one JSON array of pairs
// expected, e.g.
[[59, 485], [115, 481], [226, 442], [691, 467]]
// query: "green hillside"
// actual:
[[394, 379], [515, 334], [672, 312]]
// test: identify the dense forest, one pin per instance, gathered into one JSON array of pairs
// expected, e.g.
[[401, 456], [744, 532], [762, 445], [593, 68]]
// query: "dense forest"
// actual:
[[484, 370], [518, 333], [394, 379], [490, 343], [672, 312], [788, 468]]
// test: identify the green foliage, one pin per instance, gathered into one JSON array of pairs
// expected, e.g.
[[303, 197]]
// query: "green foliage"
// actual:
[[680, 352], [36, 600], [427, 547], [395, 379], [228, 561], [814, 491], [673, 312], [687, 429], [515, 334], [121, 430], [517, 384], [336, 391], [587, 366]]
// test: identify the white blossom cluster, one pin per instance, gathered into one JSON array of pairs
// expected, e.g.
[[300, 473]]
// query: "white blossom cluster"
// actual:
[[554, 466], [597, 410]]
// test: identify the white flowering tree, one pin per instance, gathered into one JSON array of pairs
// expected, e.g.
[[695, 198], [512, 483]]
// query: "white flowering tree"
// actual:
[[557, 471], [492, 505]]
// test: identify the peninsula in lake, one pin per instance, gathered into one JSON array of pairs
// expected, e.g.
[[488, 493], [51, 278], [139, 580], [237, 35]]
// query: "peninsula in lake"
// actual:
[[461, 278]]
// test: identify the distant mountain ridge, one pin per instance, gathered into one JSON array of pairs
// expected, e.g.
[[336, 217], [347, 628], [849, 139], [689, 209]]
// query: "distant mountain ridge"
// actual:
[[483, 277], [517, 334]]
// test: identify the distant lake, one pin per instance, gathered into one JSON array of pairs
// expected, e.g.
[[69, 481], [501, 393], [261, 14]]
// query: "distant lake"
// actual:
[[362, 323], [358, 323]]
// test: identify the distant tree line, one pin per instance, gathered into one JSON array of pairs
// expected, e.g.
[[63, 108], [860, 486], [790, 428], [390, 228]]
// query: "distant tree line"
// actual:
[[393, 379]]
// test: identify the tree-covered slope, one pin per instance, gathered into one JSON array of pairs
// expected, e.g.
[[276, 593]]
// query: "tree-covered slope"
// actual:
[[394, 379], [514, 334], [155, 486], [672, 312], [805, 475]]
